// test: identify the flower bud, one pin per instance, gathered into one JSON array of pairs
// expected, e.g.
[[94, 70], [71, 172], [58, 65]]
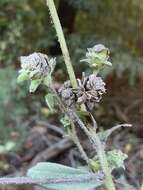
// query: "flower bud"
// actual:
[[38, 65], [89, 91], [97, 56], [67, 94], [37, 68]]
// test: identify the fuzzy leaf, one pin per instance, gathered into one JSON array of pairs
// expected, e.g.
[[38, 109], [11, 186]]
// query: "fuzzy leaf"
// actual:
[[54, 170], [116, 159], [105, 134], [51, 101], [34, 85], [48, 80], [65, 121], [95, 165], [22, 76], [107, 63]]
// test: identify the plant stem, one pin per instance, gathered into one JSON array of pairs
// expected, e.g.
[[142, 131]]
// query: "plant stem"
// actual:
[[109, 184], [97, 145], [101, 154], [78, 144], [73, 133], [61, 38]]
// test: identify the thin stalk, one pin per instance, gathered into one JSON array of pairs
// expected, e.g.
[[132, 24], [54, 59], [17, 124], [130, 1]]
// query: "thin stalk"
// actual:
[[93, 137], [78, 144], [62, 41], [109, 184], [73, 133]]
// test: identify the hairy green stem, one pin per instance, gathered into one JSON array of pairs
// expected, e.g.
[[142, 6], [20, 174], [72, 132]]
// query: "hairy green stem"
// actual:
[[109, 184], [61, 38], [78, 144], [93, 137]]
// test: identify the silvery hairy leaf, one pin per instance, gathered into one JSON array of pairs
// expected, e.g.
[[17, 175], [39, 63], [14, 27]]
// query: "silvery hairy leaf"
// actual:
[[103, 135], [66, 177]]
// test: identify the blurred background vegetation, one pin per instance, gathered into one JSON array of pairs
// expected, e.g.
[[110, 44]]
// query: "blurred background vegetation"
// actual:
[[25, 27]]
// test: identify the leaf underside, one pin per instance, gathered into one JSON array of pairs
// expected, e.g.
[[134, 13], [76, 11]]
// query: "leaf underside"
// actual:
[[52, 170]]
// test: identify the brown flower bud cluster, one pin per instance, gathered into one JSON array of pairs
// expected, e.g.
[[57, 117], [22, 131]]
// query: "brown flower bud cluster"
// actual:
[[37, 64], [89, 91]]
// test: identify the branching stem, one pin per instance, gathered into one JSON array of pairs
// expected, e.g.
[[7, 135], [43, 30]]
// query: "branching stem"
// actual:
[[94, 139], [73, 133], [97, 145]]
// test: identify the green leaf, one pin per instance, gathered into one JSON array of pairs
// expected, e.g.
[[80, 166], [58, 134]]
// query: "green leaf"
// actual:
[[2, 149], [7, 147], [34, 85], [54, 170], [105, 134], [48, 80], [95, 165], [22, 76], [107, 63], [83, 114], [65, 121], [51, 101], [116, 159]]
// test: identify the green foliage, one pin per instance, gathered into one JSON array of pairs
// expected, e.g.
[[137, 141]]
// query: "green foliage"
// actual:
[[53, 170], [12, 105], [23, 76], [18, 22], [97, 57], [20, 19], [9, 146], [34, 85], [51, 101], [65, 121], [115, 159], [104, 135]]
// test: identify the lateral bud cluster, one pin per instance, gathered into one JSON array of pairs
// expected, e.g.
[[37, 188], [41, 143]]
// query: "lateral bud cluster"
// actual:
[[89, 91]]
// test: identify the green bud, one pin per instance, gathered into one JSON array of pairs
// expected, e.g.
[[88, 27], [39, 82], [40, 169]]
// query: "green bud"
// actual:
[[95, 165], [116, 159], [65, 121], [97, 57]]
